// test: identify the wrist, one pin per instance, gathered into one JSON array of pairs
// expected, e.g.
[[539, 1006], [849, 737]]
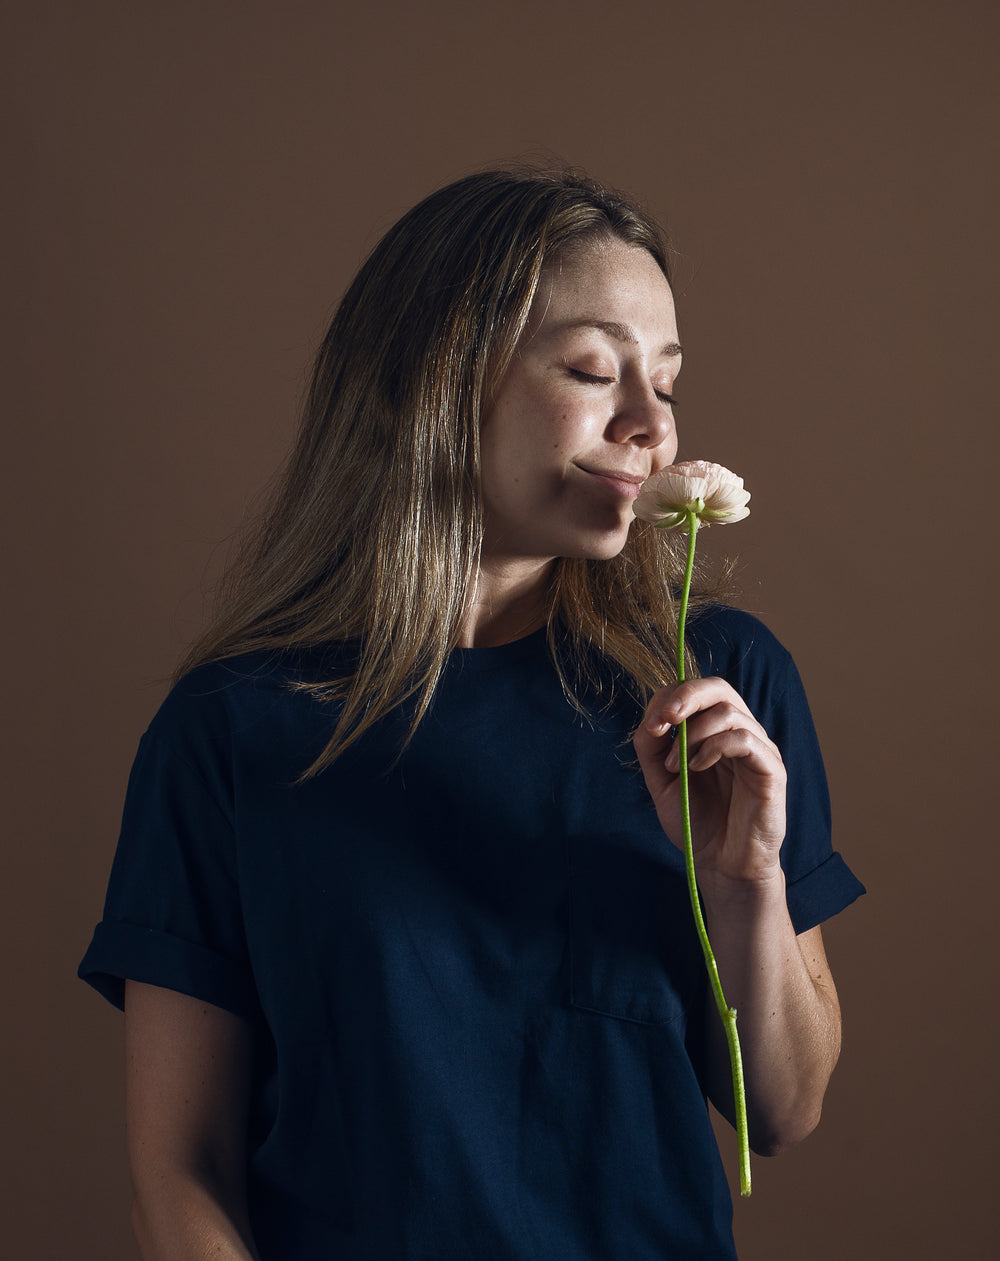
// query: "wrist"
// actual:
[[724, 895]]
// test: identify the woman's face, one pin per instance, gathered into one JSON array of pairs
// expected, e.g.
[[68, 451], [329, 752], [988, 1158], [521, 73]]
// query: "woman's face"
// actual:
[[583, 415]]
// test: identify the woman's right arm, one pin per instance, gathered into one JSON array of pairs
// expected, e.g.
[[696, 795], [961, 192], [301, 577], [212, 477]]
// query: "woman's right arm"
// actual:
[[187, 1091]]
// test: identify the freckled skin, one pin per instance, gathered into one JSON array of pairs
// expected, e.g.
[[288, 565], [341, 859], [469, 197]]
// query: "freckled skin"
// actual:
[[578, 400]]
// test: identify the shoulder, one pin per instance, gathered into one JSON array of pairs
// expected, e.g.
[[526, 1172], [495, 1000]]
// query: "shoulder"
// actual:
[[211, 693], [727, 641], [239, 700], [252, 678], [738, 647]]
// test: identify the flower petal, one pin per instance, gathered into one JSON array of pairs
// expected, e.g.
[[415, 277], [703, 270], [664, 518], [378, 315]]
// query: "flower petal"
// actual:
[[713, 493]]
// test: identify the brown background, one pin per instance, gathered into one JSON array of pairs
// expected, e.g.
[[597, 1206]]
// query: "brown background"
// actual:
[[194, 184]]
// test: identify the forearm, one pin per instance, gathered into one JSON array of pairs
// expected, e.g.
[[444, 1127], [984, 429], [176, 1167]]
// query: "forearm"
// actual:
[[176, 1217], [188, 1067], [788, 1017]]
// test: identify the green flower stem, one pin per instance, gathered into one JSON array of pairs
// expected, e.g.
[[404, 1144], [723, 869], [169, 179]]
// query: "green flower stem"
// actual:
[[726, 1013]]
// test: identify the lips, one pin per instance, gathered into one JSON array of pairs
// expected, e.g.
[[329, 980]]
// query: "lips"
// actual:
[[623, 483]]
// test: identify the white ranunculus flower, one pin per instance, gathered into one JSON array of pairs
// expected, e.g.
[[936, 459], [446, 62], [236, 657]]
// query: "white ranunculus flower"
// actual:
[[698, 493], [711, 492]]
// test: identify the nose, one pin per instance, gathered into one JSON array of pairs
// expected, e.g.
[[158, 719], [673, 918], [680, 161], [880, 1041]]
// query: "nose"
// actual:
[[641, 417]]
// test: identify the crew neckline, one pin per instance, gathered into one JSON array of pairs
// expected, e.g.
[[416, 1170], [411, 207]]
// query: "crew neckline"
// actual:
[[499, 654]]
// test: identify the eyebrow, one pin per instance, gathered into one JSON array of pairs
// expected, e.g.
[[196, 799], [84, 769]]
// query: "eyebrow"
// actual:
[[620, 332]]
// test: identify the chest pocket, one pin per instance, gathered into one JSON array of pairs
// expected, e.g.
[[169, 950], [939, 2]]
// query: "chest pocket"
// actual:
[[634, 953]]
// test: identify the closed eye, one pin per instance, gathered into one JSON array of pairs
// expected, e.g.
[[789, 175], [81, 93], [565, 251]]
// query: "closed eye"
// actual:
[[592, 379]]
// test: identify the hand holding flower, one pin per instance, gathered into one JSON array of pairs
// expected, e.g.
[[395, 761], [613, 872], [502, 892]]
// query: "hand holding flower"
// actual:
[[737, 787]]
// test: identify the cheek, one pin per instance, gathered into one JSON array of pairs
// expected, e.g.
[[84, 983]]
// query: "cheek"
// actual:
[[506, 463], [526, 441], [670, 447], [563, 432]]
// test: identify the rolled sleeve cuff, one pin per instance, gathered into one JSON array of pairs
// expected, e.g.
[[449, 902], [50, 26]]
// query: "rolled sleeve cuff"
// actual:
[[121, 951], [822, 893]]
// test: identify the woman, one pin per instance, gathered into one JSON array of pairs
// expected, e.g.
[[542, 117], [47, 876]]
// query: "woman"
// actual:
[[396, 919]]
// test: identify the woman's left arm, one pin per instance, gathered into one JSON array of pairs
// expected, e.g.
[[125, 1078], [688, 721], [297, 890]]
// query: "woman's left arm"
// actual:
[[779, 983]]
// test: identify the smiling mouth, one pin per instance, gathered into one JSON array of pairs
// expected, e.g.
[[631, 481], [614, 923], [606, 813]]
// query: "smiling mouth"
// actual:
[[627, 485]]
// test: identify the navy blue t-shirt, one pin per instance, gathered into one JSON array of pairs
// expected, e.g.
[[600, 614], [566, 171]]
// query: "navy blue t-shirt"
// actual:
[[472, 972]]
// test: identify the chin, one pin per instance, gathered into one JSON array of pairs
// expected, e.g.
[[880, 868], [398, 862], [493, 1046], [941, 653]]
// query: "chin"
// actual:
[[603, 548]]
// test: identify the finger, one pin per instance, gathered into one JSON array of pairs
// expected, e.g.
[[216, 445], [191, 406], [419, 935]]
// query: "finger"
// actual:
[[722, 717], [672, 705], [653, 750], [754, 756]]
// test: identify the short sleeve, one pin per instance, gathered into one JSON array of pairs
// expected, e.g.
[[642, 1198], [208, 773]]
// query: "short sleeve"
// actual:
[[819, 883], [172, 916]]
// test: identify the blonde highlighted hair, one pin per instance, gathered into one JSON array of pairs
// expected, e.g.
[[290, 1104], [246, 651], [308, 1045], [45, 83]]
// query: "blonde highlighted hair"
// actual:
[[373, 534]]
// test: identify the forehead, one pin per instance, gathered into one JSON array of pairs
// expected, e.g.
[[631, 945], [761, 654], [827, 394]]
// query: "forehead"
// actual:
[[604, 282]]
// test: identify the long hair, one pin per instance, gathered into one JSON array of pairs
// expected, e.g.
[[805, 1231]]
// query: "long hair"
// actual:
[[374, 532]]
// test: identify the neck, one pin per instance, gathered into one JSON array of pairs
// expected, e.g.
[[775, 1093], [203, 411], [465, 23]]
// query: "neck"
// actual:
[[510, 600]]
